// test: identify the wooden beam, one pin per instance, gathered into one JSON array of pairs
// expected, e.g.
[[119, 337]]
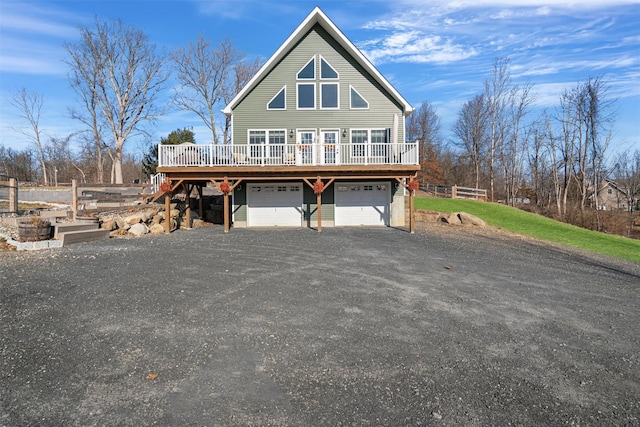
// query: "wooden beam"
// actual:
[[187, 190]]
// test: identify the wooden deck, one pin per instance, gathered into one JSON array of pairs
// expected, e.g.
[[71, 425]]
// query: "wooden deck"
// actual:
[[205, 173]]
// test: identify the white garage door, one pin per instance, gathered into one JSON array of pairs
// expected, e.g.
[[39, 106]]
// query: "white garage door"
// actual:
[[365, 203], [274, 204]]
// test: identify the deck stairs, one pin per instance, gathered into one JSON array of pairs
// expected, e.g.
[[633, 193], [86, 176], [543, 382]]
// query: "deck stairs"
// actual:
[[78, 232]]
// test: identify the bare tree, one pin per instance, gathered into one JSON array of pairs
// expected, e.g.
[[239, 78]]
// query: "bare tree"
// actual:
[[515, 144], [539, 163], [424, 125], [243, 71], [84, 81], [496, 94], [597, 120], [29, 107], [123, 75], [627, 174], [471, 130], [203, 71]]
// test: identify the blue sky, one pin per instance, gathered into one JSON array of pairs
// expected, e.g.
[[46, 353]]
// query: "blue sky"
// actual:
[[430, 50]]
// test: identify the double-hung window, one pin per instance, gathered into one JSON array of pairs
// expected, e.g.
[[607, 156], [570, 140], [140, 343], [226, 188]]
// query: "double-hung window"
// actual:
[[370, 143], [267, 143]]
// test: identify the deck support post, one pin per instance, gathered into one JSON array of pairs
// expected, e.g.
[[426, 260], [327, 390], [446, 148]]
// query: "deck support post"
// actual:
[[226, 208], [167, 213], [412, 213], [187, 191], [319, 203], [200, 201]]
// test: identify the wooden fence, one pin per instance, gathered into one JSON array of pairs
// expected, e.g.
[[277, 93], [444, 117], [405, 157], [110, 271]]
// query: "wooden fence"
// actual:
[[455, 192]]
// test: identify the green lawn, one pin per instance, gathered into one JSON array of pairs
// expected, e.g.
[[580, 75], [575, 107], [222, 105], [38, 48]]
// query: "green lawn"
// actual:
[[537, 226]]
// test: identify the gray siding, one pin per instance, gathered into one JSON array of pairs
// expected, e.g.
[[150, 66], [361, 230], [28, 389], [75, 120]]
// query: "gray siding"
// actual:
[[240, 204], [252, 113], [310, 206]]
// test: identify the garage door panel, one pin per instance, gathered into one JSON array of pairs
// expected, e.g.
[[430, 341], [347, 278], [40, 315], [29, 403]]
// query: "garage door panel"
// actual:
[[277, 204], [365, 203]]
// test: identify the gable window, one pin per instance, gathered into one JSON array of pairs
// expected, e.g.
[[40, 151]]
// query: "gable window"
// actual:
[[306, 96], [329, 95], [308, 72], [356, 100], [327, 71], [278, 102]]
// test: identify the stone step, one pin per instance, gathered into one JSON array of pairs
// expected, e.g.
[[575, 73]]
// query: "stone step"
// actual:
[[73, 226], [69, 237]]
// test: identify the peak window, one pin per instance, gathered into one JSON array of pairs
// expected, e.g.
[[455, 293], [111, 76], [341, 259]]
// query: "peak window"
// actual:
[[278, 102], [308, 72], [357, 101], [327, 72]]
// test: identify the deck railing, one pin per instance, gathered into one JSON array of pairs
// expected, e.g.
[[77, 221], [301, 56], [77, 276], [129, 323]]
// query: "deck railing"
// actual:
[[287, 154]]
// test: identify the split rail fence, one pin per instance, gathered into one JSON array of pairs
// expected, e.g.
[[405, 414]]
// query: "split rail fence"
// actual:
[[455, 192]]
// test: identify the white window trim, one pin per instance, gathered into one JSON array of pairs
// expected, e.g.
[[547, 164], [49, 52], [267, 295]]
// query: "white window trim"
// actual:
[[283, 88], [267, 133], [359, 94], [367, 142], [333, 83], [332, 67], [315, 95], [315, 65]]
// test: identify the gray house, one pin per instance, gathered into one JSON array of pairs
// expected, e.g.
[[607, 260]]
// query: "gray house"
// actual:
[[317, 134]]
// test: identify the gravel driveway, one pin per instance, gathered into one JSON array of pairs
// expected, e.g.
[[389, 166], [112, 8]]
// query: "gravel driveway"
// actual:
[[357, 327]]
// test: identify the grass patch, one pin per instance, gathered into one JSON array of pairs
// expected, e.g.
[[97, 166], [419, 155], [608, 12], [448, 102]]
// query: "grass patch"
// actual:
[[24, 206], [537, 226]]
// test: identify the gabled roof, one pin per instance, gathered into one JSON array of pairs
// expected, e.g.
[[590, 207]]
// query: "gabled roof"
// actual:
[[317, 16]]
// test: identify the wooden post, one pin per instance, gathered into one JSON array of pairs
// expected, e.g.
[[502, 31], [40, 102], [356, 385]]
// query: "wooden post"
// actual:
[[200, 203], [319, 203], [226, 208], [74, 198], [454, 192], [412, 213], [13, 195], [167, 213], [187, 192]]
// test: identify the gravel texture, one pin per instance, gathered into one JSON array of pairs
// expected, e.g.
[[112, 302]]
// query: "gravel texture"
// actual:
[[348, 327]]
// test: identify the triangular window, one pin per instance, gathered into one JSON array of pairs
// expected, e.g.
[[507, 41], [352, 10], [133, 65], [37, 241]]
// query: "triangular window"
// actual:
[[278, 102], [357, 101], [326, 70], [308, 71]]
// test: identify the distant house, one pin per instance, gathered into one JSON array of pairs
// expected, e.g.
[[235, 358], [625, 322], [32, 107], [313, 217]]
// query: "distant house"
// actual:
[[318, 132], [612, 196]]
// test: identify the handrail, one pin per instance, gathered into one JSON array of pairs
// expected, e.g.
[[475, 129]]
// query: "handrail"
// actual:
[[212, 155]]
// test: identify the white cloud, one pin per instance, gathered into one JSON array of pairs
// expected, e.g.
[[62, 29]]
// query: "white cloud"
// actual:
[[415, 47]]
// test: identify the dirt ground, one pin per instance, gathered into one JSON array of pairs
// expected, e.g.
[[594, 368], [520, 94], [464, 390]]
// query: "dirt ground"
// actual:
[[290, 327]]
